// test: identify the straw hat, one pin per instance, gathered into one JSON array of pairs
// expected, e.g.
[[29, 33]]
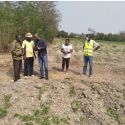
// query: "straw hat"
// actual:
[[28, 35]]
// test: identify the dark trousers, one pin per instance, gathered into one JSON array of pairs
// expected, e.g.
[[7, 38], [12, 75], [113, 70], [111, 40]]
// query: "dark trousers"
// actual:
[[43, 61], [65, 61], [28, 66], [88, 59], [17, 65]]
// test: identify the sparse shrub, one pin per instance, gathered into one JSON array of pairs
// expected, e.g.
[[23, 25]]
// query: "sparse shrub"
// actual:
[[42, 111], [113, 113], [76, 105], [3, 112], [72, 91], [3, 109], [56, 120], [65, 121], [7, 100], [26, 118], [28, 123]]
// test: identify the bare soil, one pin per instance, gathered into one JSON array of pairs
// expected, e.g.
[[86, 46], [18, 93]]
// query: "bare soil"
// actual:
[[102, 99]]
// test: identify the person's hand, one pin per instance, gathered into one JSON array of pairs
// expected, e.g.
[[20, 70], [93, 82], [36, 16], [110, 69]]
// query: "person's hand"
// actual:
[[39, 48], [65, 52]]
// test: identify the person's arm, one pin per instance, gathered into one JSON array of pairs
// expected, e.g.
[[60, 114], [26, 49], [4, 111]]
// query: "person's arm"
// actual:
[[62, 50], [71, 49], [83, 44], [96, 46], [24, 50]]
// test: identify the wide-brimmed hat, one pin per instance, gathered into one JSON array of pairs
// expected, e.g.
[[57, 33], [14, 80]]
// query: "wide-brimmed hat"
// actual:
[[28, 35]]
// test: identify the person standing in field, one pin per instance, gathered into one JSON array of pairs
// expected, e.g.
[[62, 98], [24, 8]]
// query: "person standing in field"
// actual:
[[89, 47], [41, 47], [28, 55], [17, 54], [66, 50]]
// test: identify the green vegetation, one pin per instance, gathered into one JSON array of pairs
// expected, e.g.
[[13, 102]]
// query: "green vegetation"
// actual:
[[113, 113], [42, 116], [7, 100], [3, 112], [72, 91], [4, 108], [76, 105], [20, 17]]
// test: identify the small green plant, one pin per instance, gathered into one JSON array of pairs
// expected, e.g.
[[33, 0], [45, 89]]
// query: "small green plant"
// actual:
[[3, 109], [3, 112], [28, 123], [113, 113], [55, 120], [42, 116], [7, 100], [65, 121], [72, 91], [76, 105], [26, 118], [42, 90], [42, 111]]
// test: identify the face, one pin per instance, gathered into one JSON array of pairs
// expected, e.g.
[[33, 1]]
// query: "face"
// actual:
[[18, 38], [28, 38], [88, 38], [67, 42]]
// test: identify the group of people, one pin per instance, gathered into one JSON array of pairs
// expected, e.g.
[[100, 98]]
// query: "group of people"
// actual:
[[26, 51]]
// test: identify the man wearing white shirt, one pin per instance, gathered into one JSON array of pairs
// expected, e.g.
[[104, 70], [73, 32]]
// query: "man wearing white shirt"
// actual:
[[66, 50]]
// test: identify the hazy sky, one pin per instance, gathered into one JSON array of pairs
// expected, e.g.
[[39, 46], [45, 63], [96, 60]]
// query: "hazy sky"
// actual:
[[77, 16]]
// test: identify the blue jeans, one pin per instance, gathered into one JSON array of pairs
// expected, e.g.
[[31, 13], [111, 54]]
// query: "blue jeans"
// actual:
[[43, 61], [88, 59]]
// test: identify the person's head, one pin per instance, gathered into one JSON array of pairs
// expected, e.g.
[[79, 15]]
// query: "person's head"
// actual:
[[88, 37], [28, 36], [67, 41], [36, 36], [18, 38]]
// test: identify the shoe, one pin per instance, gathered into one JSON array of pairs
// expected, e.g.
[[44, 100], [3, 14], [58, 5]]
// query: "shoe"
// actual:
[[47, 78], [32, 76], [84, 77], [25, 77], [91, 77]]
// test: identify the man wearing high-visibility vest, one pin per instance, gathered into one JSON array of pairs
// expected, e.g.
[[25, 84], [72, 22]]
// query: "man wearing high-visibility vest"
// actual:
[[89, 47]]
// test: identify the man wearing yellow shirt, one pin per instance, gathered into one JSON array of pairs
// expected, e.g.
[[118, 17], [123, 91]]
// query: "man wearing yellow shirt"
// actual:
[[28, 52]]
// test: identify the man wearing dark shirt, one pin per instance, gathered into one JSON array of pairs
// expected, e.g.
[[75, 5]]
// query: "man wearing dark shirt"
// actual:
[[41, 47]]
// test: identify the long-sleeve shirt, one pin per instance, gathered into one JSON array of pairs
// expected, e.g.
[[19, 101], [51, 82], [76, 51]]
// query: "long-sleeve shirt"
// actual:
[[16, 50], [42, 47]]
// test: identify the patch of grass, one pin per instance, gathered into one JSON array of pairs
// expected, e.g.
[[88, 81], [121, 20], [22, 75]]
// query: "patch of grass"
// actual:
[[28, 123], [76, 105], [72, 91], [42, 111], [65, 121], [42, 90], [55, 120], [3, 109], [7, 100], [113, 113], [42, 116], [3, 112]]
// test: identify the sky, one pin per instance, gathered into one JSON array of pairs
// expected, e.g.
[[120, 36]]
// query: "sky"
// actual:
[[78, 16]]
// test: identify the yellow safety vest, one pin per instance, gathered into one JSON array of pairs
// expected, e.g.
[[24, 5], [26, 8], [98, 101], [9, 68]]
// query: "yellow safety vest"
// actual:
[[88, 48]]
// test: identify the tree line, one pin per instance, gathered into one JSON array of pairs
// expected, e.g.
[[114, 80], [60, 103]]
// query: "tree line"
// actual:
[[120, 37], [22, 17]]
